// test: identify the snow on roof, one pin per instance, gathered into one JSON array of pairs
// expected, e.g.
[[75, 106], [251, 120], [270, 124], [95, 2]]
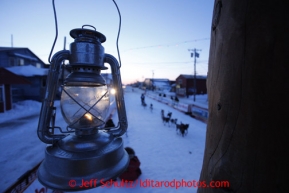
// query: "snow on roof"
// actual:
[[28, 70], [161, 84], [25, 56]]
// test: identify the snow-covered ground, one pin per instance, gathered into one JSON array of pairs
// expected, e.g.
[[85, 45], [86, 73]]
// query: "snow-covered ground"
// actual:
[[164, 155], [20, 147]]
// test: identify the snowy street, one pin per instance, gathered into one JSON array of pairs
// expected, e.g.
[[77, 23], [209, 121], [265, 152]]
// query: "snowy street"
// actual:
[[164, 154]]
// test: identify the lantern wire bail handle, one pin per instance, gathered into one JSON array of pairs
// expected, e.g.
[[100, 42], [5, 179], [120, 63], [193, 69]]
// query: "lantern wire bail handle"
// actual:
[[119, 27], [89, 26], [56, 33]]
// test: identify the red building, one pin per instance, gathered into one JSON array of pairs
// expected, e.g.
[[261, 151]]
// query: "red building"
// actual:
[[185, 85], [8, 78]]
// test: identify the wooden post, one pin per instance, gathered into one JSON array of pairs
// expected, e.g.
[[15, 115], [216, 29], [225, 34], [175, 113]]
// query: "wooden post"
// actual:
[[248, 84]]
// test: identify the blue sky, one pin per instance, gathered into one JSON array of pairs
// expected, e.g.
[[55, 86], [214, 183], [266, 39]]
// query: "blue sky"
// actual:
[[154, 39]]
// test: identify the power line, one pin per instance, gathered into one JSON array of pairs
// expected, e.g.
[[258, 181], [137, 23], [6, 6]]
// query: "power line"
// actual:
[[166, 45], [183, 62], [145, 63]]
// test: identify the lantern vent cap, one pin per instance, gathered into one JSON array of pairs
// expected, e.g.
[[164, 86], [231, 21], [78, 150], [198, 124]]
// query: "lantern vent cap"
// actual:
[[82, 34]]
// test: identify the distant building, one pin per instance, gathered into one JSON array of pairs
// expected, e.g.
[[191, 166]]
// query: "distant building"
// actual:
[[7, 79], [33, 91], [185, 85], [24, 64], [157, 84], [10, 56], [108, 78]]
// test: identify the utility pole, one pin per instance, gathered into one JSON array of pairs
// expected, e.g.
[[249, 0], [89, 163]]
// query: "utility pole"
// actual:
[[12, 40], [63, 64], [64, 45], [152, 80], [196, 55]]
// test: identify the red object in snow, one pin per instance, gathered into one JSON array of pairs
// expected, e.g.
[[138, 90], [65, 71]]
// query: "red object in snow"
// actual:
[[133, 170]]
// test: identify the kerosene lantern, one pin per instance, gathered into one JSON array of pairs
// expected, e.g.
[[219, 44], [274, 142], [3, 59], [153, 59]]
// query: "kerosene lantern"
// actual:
[[86, 150]]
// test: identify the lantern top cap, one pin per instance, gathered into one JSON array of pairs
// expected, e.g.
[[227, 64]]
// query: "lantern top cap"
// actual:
[[81, 32]]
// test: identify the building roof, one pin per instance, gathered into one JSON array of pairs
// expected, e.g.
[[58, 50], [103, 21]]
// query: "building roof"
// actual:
[[189, 76], [161, 84], [14, 50], [158, 79], [7, 77]]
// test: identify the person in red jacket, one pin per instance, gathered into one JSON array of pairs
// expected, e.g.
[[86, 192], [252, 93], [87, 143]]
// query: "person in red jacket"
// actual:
[[133, 170]]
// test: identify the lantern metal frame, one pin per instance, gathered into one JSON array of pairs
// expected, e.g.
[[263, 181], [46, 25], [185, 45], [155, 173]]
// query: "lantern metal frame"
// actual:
[[98, 154]]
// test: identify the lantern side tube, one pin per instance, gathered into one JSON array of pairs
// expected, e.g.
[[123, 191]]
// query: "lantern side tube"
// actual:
[[47, 105], [116, 80]]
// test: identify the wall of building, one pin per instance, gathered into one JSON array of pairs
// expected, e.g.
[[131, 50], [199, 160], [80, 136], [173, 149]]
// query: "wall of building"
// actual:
[[35, 91], [185, 86]]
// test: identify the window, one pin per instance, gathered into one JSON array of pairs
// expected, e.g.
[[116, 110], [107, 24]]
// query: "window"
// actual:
[[11, 61], [1, 94], [20, 61], [43, 82]]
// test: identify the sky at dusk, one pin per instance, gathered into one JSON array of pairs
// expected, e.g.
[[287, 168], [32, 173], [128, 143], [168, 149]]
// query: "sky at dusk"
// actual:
[[154, 39]]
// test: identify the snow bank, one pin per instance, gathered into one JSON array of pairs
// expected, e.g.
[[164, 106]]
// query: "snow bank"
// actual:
[[21, 109], [28, 71]]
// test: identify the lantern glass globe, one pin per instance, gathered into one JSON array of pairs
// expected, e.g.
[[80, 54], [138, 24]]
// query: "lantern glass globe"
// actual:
[[85, 106]]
